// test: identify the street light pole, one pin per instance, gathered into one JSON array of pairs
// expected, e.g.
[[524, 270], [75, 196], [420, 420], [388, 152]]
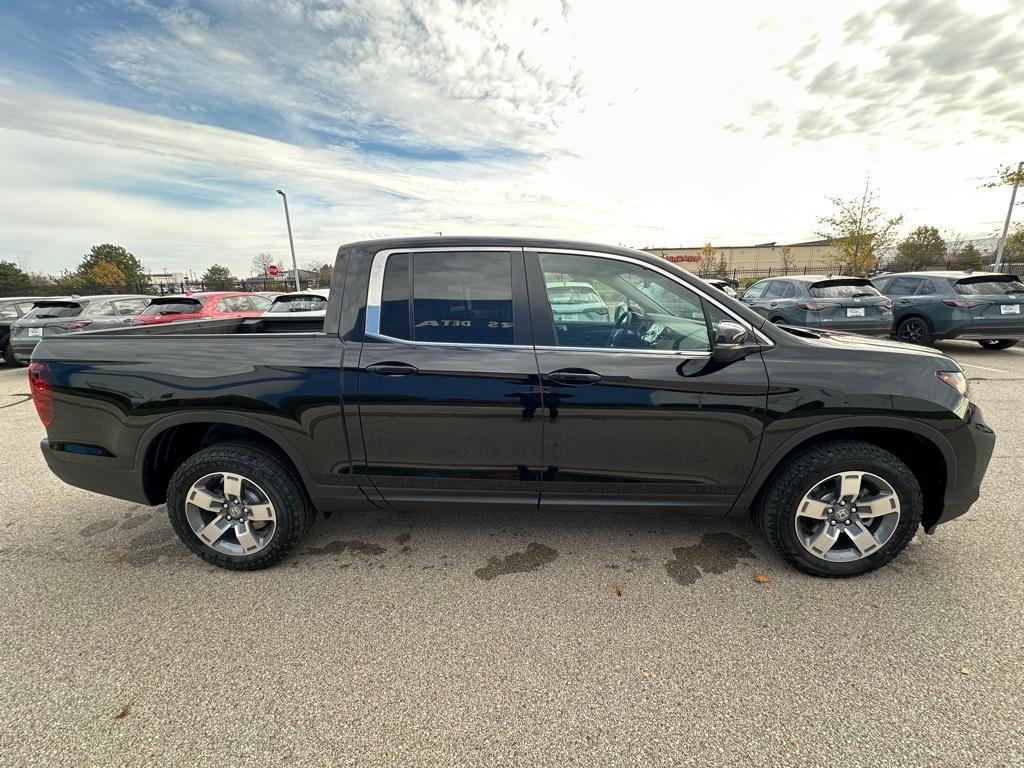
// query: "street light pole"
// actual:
[[291, 242], [1009, 214]]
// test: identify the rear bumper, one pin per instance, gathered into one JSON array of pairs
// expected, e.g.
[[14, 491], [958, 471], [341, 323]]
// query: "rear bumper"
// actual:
[[974, 451], [24, 347], [99, 474]]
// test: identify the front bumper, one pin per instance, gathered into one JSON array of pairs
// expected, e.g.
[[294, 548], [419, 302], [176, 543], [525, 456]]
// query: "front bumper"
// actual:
[[974, 446], [99, 474]]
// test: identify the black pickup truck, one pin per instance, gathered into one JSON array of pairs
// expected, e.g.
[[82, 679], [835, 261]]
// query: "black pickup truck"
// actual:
[[443, 377]]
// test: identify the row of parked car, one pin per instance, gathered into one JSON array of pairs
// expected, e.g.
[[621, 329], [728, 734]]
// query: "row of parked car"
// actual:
[[24, 320], [914, 307]]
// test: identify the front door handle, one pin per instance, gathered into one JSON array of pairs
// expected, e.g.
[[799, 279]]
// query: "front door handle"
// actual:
[[393, 369], [575, 377]]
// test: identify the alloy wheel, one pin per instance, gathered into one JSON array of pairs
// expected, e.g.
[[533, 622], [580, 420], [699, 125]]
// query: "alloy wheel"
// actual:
[[230, 514], [912, 331], [847, 516]]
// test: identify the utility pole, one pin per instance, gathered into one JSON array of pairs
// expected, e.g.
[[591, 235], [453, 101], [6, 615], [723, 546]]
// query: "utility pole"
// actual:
[[1009, 215], [291, 242]]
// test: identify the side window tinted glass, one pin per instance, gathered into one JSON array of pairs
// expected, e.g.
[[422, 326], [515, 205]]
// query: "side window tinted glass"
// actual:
[[776, 290], [607, 303], [927, 288], [262, 303], [394, 300], [104, 309], [462, 298], [903, 286]]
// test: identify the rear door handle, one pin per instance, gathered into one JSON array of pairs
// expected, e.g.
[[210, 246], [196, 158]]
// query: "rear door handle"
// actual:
[[575, 377], [392, 369]]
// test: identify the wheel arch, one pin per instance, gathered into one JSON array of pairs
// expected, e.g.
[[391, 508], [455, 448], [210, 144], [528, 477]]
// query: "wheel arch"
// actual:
[[921, 447], [166, 444]]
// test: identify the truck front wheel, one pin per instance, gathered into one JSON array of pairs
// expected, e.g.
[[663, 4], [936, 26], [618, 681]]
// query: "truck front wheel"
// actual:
[[238, 506], [841, 508]]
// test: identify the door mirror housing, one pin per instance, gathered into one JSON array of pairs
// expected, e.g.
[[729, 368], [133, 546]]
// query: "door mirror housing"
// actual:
[[732, 342]]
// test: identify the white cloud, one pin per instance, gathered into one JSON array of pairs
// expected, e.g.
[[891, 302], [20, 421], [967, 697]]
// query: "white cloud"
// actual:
[[629, 123]]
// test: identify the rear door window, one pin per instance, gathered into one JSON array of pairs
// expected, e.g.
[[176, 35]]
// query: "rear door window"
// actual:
[[989, 286], [777, 290], [903, 286], [451, 297]]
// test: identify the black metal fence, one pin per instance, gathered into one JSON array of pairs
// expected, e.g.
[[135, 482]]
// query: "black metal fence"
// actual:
[[149, 289]]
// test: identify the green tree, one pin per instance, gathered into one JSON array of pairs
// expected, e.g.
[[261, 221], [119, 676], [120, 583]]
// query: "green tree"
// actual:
[[921, 249], [104, 274], [968, 257], [129, 266], [1007, 176], [858, 231], [13, 279], [218, 275], [69, 282], [1013, 251]]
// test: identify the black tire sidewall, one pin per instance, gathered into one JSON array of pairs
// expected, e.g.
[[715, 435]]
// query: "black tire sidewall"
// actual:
[[291, 506], [805, 472], [998, 343]]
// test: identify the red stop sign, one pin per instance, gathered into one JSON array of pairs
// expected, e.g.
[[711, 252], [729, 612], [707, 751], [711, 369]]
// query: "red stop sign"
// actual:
[[272, 269]]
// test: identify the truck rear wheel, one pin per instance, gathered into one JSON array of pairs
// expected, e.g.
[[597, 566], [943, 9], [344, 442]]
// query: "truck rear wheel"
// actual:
[[238, 506], [841, 509]]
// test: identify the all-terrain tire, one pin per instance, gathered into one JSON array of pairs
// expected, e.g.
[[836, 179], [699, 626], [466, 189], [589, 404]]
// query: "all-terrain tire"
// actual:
[[802, 472], [293, 508]]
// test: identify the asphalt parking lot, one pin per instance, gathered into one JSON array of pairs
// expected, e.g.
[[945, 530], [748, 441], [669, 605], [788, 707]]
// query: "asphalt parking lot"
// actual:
[[501, 639]]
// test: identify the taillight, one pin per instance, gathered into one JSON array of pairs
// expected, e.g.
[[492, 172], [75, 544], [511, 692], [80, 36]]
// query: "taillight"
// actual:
[[962, 303], [75, 325], [813, 306], [42, 394]]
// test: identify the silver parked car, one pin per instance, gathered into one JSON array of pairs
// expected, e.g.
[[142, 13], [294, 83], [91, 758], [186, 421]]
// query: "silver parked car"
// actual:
[[54, 317]]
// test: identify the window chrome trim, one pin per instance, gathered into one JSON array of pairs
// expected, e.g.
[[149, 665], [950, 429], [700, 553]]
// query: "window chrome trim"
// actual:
[[375, 292]]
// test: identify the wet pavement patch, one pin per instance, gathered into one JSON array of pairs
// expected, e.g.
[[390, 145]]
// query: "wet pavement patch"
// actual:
[[402, 538], [536, 556], [337, 547], [716, 553], [100, 526]]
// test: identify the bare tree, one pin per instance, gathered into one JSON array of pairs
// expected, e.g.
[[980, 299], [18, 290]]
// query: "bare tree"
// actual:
[[955, 244], [708, 259], [858, 231], [787, 260], [261, 261]]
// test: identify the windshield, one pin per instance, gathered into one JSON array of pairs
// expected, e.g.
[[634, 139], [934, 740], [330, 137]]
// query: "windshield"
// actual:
[[843, 289], [988, 286], [64, 309], [298, 304], [173, 307]]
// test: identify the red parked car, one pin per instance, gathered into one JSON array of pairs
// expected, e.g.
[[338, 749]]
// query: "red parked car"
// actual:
[[197, 306]]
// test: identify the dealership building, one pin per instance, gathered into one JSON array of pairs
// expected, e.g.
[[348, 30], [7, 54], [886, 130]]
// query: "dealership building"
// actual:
[[809, 255]]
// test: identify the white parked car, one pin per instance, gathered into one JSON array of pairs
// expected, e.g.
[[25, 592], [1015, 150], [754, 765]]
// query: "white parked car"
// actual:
[[310, 303]]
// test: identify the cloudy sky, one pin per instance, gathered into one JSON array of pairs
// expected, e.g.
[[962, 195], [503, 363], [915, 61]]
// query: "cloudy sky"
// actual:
[[166, 126]]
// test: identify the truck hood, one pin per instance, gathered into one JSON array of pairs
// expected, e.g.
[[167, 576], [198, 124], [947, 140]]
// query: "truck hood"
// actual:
[[839, 341]]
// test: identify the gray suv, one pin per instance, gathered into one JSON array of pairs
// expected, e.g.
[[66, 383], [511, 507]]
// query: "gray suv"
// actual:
[[53, 317], [831, 303], [983, 306]]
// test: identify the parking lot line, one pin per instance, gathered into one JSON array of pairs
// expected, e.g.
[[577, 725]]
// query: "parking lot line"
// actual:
[[983, 368]]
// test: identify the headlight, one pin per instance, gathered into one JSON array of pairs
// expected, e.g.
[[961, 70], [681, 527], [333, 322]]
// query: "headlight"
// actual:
[[956, 380]]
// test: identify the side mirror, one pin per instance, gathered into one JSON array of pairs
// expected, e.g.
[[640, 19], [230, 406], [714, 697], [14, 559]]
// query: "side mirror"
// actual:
[[732, 342]]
